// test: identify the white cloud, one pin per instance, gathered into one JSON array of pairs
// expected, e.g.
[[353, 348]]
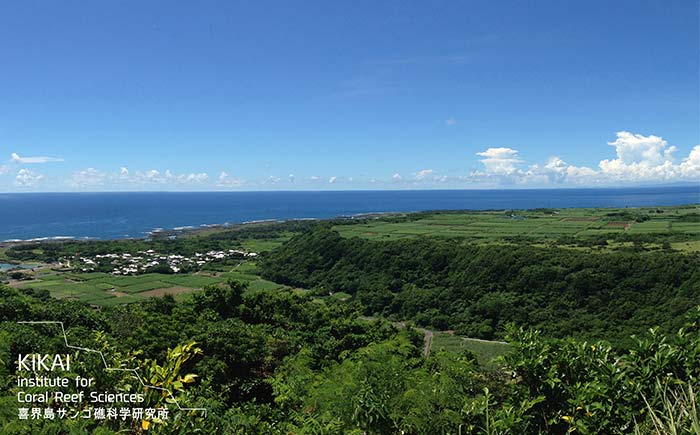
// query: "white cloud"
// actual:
[[450, 122], [690, 166], [423, 174], [26, 178], [92, 177], [225, 180], [87, 178], [501, 161], [558, 171], [153, 176], [638, 158], [150, 176], [14, 157], [193, 178], [635, 148]]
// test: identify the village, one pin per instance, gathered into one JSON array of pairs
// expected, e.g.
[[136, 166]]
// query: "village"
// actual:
[[150, 261]]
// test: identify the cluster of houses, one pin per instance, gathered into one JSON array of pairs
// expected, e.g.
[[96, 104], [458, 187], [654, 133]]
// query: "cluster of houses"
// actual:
[[145, 261]]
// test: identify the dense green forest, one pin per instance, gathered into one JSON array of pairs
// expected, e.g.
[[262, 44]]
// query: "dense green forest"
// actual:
[[477, 289], [272, 362]]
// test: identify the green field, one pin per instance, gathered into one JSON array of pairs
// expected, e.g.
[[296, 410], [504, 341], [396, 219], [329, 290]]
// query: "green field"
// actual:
[[485, 351], [105, 289], [268, 244], [536, 225]]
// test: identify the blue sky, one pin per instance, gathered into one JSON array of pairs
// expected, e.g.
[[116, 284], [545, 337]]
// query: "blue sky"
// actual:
[[347, 95]]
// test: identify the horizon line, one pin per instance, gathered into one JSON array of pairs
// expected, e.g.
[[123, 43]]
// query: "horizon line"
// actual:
[[514, 188]]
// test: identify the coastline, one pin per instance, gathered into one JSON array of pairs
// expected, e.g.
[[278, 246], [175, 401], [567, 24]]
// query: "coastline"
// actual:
[[194, 230]]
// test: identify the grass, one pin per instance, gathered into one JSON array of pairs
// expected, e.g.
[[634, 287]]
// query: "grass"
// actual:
[[262, 284], [144, 286], [485, 351], [659, 226], [685, 227], [692, 246], [495, 226], [341, 296], [191, 280], [262, 245], [678, 413], [105, 289]]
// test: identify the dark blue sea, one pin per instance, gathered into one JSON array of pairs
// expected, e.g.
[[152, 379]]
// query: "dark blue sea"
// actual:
[[119, 215]]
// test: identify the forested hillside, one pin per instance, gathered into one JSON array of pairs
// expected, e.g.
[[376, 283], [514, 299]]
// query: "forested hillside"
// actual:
[[477, 289], [276, 363]]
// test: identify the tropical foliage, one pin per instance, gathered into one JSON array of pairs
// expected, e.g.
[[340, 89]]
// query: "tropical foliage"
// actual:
[[272, 362]]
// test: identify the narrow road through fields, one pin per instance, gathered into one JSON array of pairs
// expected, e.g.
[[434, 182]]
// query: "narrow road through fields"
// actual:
[[427, 341], [429, 334]]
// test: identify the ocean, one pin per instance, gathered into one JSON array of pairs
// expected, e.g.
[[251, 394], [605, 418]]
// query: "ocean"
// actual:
[[134, 214]]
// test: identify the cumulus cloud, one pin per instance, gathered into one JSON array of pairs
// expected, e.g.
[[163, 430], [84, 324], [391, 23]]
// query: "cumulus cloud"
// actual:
[[557, 171], [226, 180], [690, 166], [194, 178], [636, 148], [423, 174], [123, 178], [632, 158], [87, 178], [153, 176], [14, 157], [638, 158], [27, 179], [500, 160], [150, 176]]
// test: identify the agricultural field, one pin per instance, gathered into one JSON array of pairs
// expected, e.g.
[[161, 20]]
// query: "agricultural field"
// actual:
[[104, 289], [537, 225], [486, 351], [267, 244]]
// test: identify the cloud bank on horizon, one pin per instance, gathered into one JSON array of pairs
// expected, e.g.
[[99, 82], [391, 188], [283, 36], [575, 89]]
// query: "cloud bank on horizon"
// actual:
[[638, 160]]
